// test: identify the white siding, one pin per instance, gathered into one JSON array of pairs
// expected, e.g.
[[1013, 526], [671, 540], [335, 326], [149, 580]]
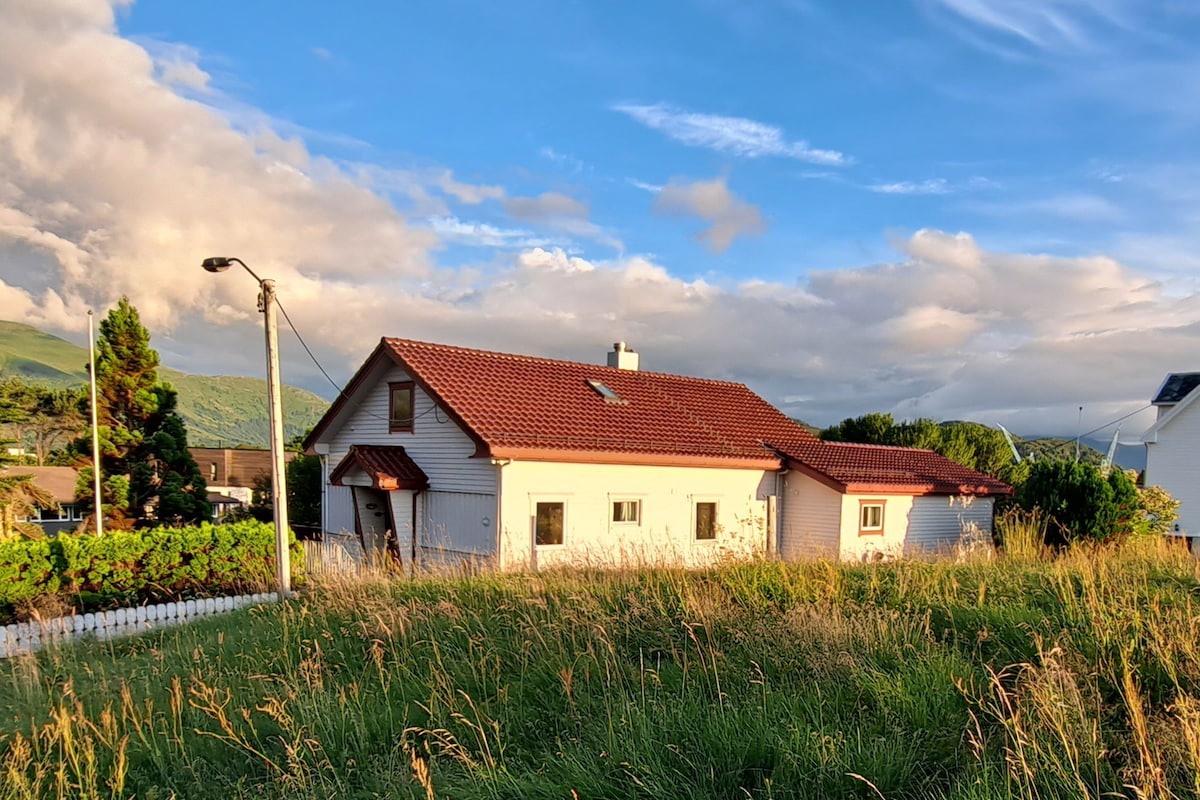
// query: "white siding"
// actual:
[[870, 546], [437, 444], [402, 516], [459, 521], [665, 533], [810, 518], [1173, 462], [936, 523]]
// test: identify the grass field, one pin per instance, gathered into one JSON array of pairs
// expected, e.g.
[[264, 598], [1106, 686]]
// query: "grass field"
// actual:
[[1078, 677]]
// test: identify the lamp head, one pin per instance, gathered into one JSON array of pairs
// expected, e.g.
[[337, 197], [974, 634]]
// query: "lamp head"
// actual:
[[217, 264]]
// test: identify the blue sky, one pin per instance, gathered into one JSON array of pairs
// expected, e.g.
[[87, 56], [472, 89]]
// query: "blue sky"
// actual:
[[955, 208]]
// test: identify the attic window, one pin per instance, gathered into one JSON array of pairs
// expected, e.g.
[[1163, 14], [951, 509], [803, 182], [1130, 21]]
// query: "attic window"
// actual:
[[608, 394]]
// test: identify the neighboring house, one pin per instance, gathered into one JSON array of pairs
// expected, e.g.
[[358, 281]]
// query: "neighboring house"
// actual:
[[232, 472], [60, 483], [529, 462], [1172, 447]]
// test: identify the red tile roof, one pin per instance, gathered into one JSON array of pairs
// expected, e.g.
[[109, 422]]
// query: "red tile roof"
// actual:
[[518, 405], [865, 468], [389, 467]]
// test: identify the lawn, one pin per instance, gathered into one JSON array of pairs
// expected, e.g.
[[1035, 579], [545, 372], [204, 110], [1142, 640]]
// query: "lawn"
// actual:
[[1073, 677]]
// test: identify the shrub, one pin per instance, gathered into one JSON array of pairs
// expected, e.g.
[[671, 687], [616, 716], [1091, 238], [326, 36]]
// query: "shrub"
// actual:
[[1082, 504], [140, 566]]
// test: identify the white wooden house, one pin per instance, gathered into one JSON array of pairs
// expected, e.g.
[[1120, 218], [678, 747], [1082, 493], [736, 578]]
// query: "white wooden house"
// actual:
[[450, 453], [1172, 449]]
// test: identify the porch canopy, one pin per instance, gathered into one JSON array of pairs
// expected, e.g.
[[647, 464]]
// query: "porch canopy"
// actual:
[[388, 467]]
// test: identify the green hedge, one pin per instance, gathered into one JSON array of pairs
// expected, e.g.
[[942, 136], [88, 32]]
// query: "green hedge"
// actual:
[[133, 567]]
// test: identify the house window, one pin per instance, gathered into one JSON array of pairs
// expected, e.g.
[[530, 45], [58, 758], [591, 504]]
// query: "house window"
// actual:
[[604, 391], [627, 511], [212, 471], [548, 523], [706, 521], [870, 517], [400, 407]]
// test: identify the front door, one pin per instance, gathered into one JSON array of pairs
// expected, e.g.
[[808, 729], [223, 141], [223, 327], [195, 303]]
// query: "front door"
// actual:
[[376, 527]]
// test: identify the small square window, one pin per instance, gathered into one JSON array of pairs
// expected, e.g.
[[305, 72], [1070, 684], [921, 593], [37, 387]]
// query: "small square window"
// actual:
[[870, 518], [548, 523], [706, 521], [627, 511], [400, 407]]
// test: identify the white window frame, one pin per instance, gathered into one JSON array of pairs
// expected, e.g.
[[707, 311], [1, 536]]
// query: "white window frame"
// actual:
[[871, 530], [534, 500], [696, 500], [613, 499]]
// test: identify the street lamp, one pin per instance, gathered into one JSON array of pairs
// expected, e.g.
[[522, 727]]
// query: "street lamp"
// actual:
[[266, 304]]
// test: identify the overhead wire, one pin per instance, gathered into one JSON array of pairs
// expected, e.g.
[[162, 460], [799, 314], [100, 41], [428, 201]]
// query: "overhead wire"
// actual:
[[341, 391], [1115, 421]]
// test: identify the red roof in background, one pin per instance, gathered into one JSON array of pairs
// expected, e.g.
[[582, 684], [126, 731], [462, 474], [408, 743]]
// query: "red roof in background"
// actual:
[[389, 467], [518, 405], [859, 468]]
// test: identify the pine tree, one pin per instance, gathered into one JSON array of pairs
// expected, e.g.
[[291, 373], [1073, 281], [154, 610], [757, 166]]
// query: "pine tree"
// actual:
[[141, 434]]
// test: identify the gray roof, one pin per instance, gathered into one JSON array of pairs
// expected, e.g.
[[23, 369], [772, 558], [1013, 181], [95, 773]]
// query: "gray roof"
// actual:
[[1177, 386]]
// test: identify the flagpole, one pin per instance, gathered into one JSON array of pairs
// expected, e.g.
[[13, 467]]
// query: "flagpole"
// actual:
[[99, 501]]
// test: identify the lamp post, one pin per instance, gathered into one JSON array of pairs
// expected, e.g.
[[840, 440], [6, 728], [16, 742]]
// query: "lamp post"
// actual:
[[266, 304]]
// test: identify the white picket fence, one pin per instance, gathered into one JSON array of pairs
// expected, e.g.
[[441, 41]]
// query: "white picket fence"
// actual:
[[26, 637]]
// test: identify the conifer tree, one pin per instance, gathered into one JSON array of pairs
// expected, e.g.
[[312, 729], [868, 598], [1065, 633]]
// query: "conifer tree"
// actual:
[[142, 437]]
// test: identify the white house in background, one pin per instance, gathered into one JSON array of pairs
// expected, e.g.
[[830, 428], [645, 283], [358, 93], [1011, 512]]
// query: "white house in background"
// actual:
[[451, 453], [1173, 449]]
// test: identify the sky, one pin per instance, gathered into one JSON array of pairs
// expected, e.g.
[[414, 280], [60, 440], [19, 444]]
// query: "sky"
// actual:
[[957, 209]]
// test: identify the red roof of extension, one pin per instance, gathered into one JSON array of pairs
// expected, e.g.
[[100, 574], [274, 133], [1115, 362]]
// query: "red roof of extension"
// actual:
[[522, 406], [865, 468], [389, 467]]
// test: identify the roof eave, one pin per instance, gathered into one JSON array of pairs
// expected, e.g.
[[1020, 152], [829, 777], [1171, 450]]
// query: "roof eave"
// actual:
[[576, 456]]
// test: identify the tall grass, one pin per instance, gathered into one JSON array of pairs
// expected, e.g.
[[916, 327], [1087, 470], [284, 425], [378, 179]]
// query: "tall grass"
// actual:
[[1017, 677]]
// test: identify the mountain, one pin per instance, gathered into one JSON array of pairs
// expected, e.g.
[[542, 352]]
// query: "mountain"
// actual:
[[220, 411]]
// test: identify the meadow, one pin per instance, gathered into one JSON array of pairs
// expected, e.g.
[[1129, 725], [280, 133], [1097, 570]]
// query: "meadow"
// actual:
[[1021, 676]]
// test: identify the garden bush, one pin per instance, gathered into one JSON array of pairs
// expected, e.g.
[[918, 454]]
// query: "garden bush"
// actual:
[[1082, 504], [140, 566]]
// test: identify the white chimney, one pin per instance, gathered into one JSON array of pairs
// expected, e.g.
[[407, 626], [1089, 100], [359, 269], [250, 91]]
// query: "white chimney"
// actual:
[[622, 357]]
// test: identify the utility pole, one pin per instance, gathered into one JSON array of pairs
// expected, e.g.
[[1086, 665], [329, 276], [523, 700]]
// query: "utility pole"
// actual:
[[283, 573], [98, 499]]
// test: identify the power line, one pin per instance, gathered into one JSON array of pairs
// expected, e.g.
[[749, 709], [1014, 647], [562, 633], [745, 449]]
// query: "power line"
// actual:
[[341, 392], [1117, 420]]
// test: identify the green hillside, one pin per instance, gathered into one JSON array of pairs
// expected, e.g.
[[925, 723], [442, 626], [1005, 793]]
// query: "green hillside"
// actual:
[[219, 410]]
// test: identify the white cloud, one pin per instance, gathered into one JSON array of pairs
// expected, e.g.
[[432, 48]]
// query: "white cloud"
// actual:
[[1045, 24], [712, 201], [471, 194], [559, 212], [546, 207], [736, 135], [931, 186], [481, 234]]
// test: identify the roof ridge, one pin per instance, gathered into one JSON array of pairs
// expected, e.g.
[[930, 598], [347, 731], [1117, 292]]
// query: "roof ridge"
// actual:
[[865, 445], [545, 360]]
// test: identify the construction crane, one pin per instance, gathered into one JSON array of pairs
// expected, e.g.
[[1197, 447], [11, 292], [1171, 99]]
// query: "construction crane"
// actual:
[[1106, 464], [1011, 446]]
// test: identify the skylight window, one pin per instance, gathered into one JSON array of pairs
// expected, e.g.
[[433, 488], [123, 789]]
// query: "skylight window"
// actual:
[[604, 391]]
